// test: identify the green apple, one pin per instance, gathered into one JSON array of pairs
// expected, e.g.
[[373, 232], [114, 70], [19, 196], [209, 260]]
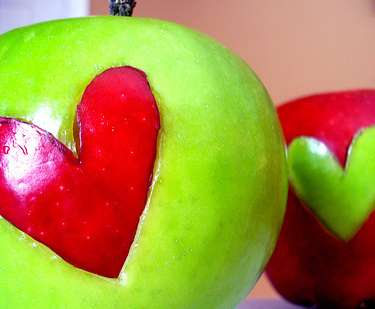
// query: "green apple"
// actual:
[[218, 195], [319, 179]]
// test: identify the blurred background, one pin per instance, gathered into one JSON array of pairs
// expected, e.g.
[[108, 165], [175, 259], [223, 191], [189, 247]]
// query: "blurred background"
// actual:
[[296, 47]]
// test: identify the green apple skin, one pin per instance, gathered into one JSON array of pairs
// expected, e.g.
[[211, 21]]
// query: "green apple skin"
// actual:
[[219, 191]]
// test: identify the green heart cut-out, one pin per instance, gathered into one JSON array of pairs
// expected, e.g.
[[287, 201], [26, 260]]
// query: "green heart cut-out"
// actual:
[[342, 199]]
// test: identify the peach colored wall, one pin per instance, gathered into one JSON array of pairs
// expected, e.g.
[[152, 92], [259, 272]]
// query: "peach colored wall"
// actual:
[[297, 47]]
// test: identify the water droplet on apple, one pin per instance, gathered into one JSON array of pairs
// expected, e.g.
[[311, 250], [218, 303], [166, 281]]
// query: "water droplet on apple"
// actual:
[[6, 149], [24, 150]]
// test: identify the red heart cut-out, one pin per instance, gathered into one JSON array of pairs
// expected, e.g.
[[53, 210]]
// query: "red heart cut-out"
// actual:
[[85, 209]]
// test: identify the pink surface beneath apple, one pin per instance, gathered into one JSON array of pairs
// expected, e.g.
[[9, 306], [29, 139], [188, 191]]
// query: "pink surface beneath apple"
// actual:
[[268, 304]]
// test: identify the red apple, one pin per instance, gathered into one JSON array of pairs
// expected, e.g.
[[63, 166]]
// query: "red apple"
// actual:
[[326, 251], [43, 185]]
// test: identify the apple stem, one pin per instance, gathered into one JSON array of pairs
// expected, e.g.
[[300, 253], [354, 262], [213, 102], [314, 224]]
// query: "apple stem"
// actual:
[[121, 7]]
